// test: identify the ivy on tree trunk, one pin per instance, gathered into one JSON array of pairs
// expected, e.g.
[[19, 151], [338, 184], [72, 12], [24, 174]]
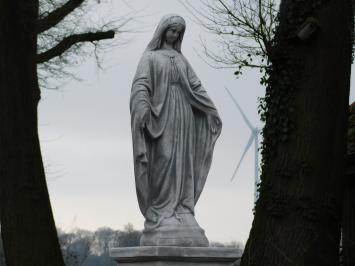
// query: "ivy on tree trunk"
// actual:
[[298, 214]]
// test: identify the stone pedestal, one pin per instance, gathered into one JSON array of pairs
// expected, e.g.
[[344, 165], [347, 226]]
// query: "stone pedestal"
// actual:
[[175, 256]]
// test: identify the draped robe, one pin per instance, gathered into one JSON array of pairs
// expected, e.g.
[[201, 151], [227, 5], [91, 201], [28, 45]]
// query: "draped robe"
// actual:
[[173, 148]]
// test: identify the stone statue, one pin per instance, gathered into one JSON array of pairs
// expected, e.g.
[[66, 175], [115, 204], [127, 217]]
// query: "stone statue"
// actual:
[[174, 128]]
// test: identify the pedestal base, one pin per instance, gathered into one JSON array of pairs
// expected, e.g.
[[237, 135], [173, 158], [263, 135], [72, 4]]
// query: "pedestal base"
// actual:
[[175, 256]]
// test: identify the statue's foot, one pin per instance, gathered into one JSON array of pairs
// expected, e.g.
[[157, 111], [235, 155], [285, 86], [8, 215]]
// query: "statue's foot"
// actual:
[[178, 230]]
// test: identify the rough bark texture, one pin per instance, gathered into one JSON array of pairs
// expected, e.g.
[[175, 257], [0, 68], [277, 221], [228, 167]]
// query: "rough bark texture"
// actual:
[[27, 225], [297, 216]]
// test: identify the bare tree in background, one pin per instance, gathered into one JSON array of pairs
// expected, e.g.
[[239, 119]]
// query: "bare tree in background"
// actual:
[[33, 33], [244, 31], [72, 34]]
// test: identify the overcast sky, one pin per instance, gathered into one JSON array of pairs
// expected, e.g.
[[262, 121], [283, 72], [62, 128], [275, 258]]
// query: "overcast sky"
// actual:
[[86, 137]]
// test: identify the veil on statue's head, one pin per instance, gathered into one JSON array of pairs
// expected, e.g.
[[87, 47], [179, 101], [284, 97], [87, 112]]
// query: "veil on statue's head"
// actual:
[[166, 22]]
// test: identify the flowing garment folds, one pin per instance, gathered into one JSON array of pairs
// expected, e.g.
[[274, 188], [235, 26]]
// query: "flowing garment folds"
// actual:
[[173, 150]]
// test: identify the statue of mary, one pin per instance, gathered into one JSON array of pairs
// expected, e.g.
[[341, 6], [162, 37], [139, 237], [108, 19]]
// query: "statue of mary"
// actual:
[[174, 128]]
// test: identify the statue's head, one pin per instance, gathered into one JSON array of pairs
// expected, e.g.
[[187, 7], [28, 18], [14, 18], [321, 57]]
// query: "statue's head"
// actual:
[[171, 28]]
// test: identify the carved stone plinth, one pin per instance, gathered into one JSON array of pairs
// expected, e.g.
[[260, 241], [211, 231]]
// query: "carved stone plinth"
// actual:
[[175, 256]]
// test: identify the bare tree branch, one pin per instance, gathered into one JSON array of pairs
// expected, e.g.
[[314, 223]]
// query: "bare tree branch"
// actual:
[[57, 15], [244, 31], [71, 40]]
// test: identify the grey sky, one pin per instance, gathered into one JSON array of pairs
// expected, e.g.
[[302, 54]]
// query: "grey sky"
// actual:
[[86, 139]]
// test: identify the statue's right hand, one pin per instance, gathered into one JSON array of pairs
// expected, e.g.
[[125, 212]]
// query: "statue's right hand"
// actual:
[[144, 119]]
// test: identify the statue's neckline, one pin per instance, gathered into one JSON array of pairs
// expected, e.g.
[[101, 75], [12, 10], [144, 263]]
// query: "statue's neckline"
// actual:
[[168, 52]]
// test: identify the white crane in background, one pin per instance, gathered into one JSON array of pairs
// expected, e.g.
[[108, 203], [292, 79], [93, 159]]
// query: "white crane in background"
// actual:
[[254, 137]]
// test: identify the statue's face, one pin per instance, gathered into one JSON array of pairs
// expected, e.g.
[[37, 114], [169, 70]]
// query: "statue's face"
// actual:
[[172, 34]]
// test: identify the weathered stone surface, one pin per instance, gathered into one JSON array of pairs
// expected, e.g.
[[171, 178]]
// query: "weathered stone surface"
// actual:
[[175, 126], [175, 256], [183, 231]]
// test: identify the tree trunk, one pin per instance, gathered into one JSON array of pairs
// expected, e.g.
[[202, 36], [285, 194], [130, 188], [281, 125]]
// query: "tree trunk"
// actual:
[[27, 225], [298, 214], [348, 239]]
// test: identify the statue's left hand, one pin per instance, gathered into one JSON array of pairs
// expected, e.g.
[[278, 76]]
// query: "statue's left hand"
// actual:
[[214, 123]]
